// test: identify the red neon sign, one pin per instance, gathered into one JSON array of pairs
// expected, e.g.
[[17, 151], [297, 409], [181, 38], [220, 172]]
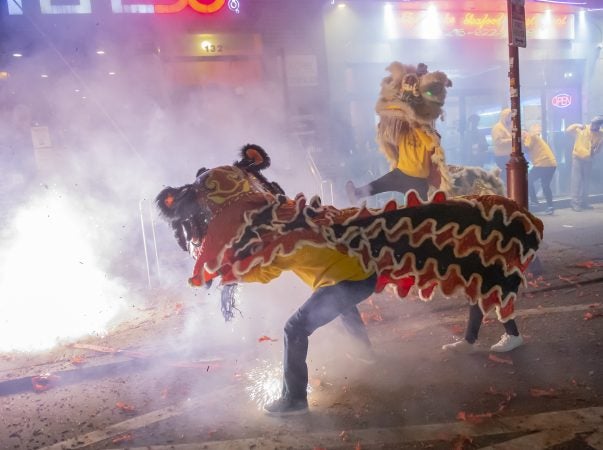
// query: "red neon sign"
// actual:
[[179, 5], [561, 100]]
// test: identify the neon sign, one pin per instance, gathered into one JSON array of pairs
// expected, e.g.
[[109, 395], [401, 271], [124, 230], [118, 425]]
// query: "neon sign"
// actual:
[[561, 100], [415, 24], [15, 7]]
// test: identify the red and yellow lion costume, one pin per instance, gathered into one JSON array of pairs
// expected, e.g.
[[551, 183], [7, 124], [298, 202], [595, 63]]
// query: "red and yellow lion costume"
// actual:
[[234, 221]]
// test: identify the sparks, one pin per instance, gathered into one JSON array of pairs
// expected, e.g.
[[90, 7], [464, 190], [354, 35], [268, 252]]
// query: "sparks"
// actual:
[[52, 285], [265, 383]]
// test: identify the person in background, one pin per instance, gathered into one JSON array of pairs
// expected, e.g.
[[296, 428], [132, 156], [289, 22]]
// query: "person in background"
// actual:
[[475, 145], [588, 143], [544, 165], [501, 138]]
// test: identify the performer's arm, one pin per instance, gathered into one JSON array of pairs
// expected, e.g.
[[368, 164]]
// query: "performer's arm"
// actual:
[[574, 127], [261, 274], [499, 137]]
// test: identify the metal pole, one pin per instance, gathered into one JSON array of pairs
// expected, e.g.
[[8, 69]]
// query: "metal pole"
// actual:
[[517, 166]]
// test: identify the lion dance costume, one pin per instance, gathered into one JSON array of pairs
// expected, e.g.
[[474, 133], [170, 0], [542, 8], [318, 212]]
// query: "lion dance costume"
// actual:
[[411, 99], [240, 227], [236, 221]]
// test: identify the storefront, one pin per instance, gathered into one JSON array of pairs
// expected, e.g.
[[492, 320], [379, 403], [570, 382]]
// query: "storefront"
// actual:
[[468, 41], [230, 71]]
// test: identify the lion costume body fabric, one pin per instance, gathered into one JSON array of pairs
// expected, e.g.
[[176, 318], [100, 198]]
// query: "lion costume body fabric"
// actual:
[[235, 222]]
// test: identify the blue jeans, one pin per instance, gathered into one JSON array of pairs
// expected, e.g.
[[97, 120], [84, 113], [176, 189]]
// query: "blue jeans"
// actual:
[[545, 175], [581, 170], [323, 306]]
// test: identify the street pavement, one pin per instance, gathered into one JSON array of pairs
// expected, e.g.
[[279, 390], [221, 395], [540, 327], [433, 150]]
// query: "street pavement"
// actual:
[[173, 379]]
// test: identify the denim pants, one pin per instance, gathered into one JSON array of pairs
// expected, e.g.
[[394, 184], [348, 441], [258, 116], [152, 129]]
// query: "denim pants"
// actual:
[[323, 306], [581, 171], [545, 175], [475, 322], [397, 181]]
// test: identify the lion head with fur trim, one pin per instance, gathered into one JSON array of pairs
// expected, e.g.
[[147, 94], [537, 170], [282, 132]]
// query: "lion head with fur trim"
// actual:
[[413, 93]]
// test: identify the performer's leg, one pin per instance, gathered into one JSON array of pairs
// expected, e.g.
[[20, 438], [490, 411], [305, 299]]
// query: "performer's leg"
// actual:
[[510, 340], [471, 332], [501, 162], [532, 177], [352, 322], [546, 179], [394, 181], [587, 169], [474, 324], [576, 184], [324, 305], [511, 327]]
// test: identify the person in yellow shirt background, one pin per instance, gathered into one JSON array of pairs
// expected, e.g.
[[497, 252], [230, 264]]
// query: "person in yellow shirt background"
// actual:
[[543, 166], [587, 144], [501, 139]]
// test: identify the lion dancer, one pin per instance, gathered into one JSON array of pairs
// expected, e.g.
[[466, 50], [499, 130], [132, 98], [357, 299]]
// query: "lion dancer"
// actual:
[[410, 101], [242, 228]]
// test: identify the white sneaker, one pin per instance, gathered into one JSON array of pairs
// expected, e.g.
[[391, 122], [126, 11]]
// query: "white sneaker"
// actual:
[[507, 343], [461, 346]]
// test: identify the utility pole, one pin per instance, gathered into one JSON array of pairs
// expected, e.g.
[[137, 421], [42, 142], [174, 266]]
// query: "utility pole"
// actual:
[[517, 167]]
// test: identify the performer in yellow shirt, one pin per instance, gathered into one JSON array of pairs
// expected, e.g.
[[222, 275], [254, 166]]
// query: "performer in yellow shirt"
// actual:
[[410, 101], [588, 143], [240, 227], [543, 166]]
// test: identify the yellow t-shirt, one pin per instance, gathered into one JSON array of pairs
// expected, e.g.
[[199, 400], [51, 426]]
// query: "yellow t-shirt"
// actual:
[[501, 138], [539, 152], [414, 153], [585, 141], [317, 267]]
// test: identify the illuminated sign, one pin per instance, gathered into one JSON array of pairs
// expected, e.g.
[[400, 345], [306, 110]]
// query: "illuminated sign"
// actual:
[[15, 7], [561, 100], [212, 45], [413, 24]]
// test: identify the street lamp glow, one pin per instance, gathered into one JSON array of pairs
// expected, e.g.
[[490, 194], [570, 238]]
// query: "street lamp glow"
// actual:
[[431, 24], [389, 22]]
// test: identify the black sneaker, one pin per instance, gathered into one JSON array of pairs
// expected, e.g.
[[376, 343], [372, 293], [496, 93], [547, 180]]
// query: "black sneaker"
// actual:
[[286, 407]]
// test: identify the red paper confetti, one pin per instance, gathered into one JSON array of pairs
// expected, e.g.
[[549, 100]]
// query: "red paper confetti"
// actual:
[[44, 382], [266, 338], [590, 264], [124, 438], [473, 418], [498, 359], [534, 392], [129, 409], [78, 360]]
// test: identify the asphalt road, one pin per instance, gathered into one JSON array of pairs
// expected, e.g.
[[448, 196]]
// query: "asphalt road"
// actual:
[[178, 378]]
